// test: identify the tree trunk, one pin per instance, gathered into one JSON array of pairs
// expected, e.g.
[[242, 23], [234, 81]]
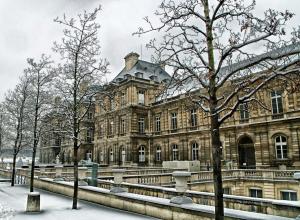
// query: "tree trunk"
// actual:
[[32, 169], [13, 175], [75, 159], [217, 168]]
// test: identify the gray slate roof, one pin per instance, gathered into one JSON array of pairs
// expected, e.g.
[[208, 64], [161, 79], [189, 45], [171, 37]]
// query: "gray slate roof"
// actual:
[[150, 71]]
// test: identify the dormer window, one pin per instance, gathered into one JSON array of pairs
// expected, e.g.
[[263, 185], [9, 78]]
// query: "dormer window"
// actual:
[[127, 76], [153, 77], [165, 81], [139, 75]]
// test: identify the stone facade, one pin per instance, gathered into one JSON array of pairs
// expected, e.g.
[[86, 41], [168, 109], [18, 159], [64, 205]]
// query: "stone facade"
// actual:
[[133, 127], [153, 131]]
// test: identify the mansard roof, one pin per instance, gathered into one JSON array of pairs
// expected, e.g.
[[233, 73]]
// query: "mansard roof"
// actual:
[[145, 70]]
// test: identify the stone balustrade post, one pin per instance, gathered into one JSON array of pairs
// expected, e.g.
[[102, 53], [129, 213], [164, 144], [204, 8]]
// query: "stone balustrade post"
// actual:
[[118, 179], [181, 178], [82, 175], [42, 171], [58, 173], [268, 175]]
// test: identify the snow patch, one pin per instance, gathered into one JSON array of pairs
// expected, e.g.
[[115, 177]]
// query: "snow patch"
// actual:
[[6, 213]]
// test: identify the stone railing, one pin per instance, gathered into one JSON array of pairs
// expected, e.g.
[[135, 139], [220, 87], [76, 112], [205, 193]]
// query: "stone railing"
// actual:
[[158, 207], [265, 206], [164, 176], [259, 205]]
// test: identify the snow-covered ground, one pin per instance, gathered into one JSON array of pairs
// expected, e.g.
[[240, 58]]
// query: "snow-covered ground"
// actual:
[[53, 206]]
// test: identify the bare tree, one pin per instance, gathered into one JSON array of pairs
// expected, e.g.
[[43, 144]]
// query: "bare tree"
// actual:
[[16, 110], [41, 76], [221, 44], [82, 68]]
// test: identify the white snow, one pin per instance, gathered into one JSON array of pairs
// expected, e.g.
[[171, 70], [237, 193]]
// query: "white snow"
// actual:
[[54, 206]]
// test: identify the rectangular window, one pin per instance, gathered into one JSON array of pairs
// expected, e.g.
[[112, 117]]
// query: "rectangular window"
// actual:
[[123, 99], [276, 98], [90, 115], [289, 195], [173, 121], [158, 154], [100, 131], [193, 117], [122, 126], [226, 190], [110, 128], [89, 135], [256, 193], [141, 98], [157, 124], [141, 124], [244, 111]]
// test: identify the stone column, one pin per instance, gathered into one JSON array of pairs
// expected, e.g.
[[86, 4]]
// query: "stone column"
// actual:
[[118, 179], [181, 178]]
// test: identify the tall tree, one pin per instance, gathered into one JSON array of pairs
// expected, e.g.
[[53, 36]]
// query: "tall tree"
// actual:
[[211, 43], [41, 75], [82, 68], [15, 108]]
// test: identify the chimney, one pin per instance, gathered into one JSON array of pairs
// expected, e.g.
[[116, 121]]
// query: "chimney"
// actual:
[[130, 60]]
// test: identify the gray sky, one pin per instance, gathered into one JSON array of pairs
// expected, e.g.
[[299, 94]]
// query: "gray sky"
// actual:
[[27, 29]]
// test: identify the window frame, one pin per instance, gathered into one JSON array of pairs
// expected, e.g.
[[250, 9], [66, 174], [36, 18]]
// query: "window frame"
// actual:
[[256, 191], [174, 122], [141, 97], [141, 125], [281, 147], [157, 124], [193, 118], [158, 154], [175, 152], [195, 151], [244, 111], [276, 101], [142, 154], [289, 195]]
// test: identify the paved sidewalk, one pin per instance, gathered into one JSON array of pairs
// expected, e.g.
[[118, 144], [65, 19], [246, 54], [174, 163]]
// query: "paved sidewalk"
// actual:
[[54, 206]]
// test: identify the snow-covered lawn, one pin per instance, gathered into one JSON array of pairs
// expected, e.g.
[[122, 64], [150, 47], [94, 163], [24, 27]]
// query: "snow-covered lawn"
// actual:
[[13, 203], [6, 213]]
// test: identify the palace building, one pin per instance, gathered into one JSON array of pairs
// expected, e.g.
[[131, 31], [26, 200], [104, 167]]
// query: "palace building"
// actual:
[[135, 126]]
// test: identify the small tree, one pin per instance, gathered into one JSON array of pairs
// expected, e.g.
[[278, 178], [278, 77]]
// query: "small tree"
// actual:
[[41, 76], [211, 43], [82, 67], [15, 108]]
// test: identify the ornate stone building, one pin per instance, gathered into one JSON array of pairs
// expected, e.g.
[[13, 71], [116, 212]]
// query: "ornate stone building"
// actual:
[[134, 127]]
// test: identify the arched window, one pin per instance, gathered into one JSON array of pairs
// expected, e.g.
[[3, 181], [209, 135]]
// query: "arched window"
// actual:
[[175, 155], [142, 154], [111, 155], [281, 147], [195, 151], [158, 153]]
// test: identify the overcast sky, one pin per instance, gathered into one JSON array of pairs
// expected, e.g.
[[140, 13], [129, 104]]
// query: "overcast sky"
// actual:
[[27, 29]]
